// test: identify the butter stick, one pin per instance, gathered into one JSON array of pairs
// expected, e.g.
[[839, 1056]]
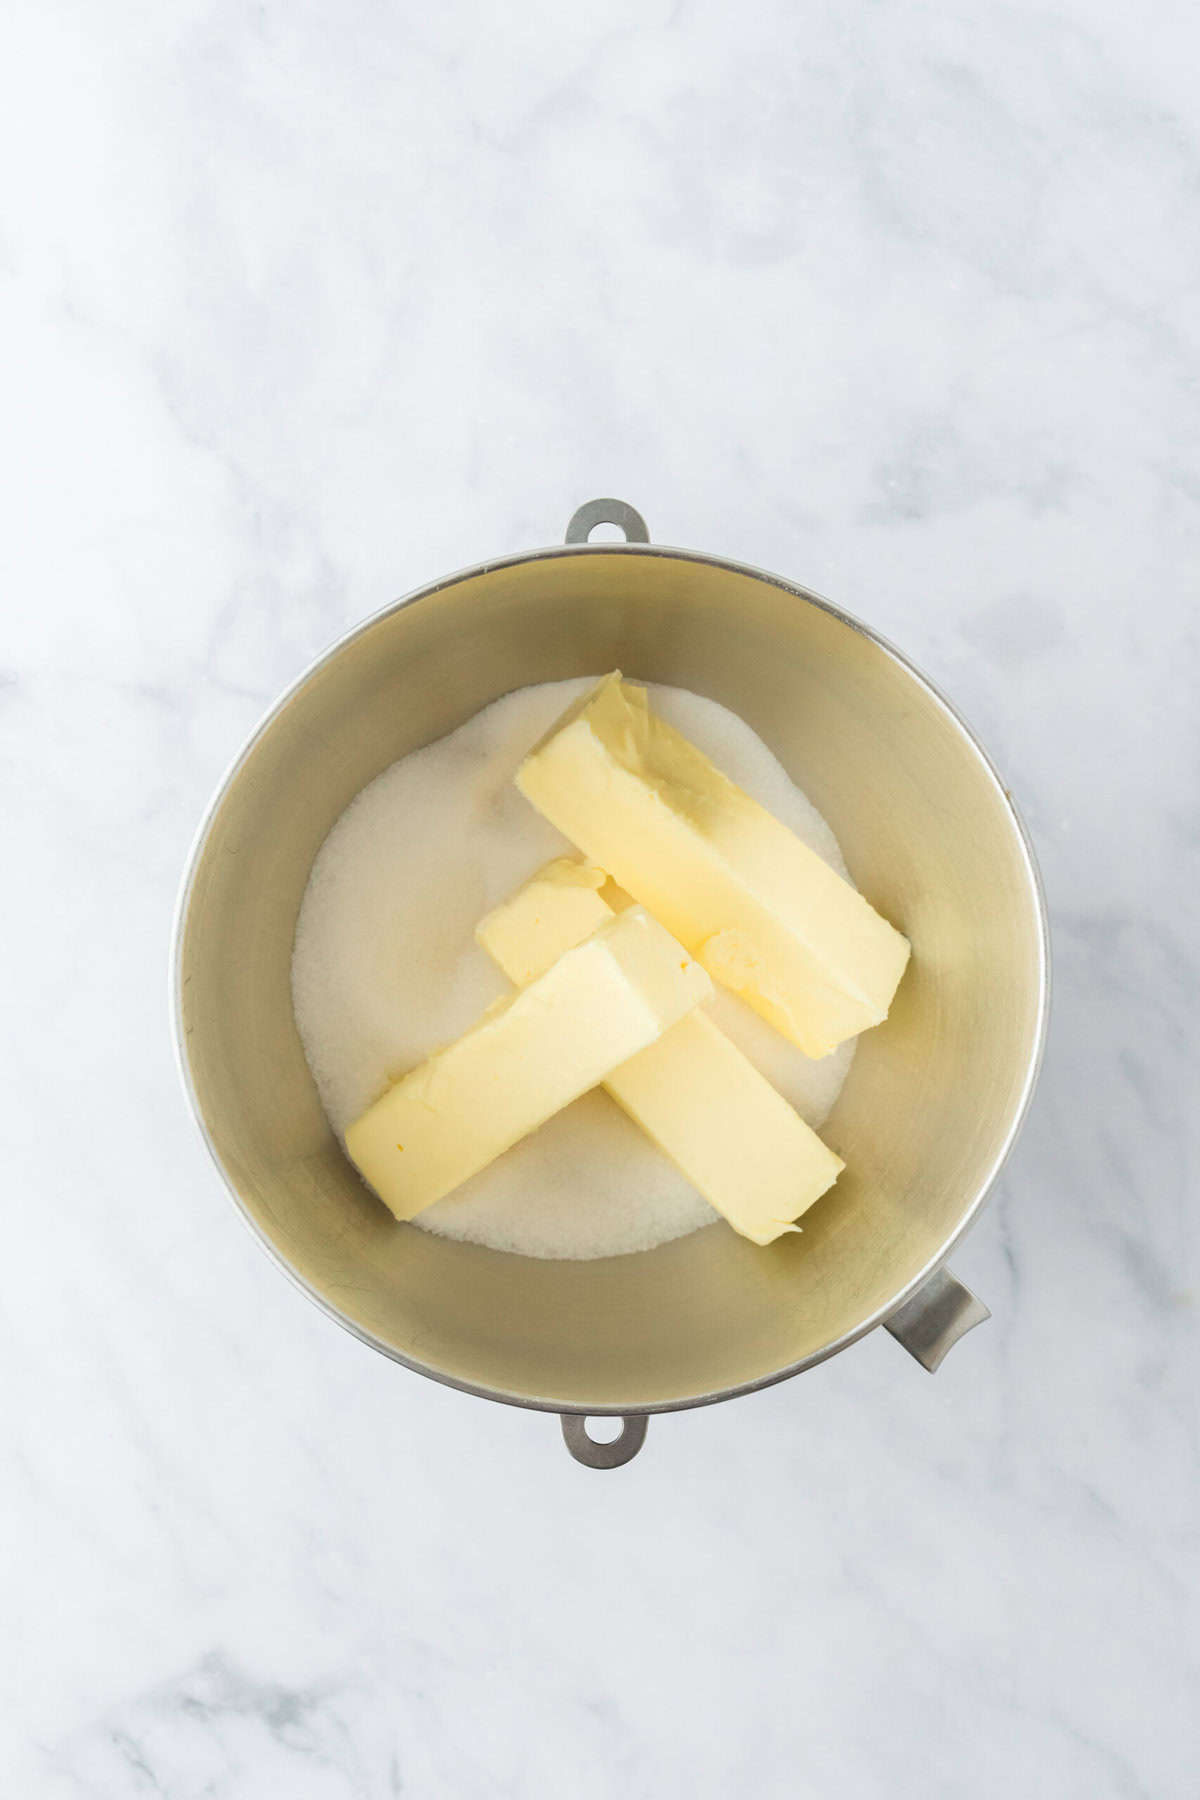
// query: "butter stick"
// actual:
[[692, 1091], [763, 913], [528, 1057]]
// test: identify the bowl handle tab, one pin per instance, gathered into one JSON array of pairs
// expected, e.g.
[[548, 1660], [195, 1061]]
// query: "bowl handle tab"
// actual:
[[607, 512], [586, 1450], [932, 1320]]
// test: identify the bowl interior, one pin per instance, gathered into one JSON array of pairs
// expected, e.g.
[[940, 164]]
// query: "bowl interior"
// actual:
[[933, 1095]]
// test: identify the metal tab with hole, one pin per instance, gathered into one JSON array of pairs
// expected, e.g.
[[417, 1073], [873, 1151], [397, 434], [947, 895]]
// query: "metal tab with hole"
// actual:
[[626, 518], [585, 1449]]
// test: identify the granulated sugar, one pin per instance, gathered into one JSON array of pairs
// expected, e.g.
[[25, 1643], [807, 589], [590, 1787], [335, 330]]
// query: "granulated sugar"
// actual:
[[386, 969]]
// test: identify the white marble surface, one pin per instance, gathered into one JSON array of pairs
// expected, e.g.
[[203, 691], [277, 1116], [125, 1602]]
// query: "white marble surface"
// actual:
[[305, 305]]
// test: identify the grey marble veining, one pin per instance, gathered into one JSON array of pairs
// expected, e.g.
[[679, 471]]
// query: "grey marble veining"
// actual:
[[306, 306]]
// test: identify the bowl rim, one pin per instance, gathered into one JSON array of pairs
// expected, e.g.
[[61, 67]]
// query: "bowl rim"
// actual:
[[546, 1403]]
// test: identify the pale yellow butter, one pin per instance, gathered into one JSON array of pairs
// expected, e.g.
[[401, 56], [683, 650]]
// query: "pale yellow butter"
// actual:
[[525, 1060], [763, 913], [693, 1091], [555, 910]]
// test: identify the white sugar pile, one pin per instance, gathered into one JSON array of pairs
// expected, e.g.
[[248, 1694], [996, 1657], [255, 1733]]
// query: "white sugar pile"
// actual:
[[386, 969]]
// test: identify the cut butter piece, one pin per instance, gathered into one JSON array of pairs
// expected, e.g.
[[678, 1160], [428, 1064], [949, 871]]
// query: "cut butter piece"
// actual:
[[525, 1060], [693, 1092], [763, 913], [555, 910]]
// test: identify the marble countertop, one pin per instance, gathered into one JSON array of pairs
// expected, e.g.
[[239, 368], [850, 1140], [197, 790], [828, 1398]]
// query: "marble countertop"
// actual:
[[305, 306]]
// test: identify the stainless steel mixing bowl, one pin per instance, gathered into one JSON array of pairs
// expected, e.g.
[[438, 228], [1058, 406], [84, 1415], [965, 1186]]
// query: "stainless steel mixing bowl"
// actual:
[[935, 1097]]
